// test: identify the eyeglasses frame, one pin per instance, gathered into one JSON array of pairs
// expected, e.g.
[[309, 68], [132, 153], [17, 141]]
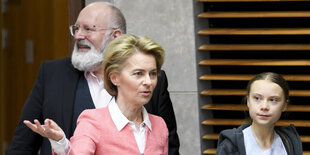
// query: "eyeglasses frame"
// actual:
[[94, 27]]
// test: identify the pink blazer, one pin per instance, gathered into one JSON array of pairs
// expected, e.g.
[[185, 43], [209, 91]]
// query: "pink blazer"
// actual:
[[96, 134]]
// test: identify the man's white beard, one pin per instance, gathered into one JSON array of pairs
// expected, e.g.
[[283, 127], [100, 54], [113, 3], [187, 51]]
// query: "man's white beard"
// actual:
[[90, 60]]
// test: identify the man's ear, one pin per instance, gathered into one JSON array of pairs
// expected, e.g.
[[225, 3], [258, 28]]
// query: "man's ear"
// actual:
[[116, 33]]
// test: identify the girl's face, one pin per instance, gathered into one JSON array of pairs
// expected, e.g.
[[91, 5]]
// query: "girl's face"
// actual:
[[266, 102]]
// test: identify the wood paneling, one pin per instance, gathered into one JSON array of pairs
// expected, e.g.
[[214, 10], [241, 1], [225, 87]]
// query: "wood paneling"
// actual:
[[255, 62], [250, 0], [238, 122], [255, 14], [246, 77], [215, 136], [254, 47], [43, 24], [241, 107], [2, 106], [237, 39], [75, 7], [242, 92], [213, 150], [255, 31]]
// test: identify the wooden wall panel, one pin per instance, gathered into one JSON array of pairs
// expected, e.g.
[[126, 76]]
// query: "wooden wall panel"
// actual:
[[237, 39], [45, 24], [15, 66], [61, 30], [1, 83], [75, 7]]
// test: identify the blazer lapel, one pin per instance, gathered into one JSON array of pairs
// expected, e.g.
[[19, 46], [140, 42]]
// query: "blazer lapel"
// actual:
[[72, 76]]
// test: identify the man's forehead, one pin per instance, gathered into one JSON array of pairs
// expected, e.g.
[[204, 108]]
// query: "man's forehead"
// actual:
[[94, 17]]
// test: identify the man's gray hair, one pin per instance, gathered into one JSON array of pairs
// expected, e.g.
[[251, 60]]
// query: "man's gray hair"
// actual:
[[117, 18]]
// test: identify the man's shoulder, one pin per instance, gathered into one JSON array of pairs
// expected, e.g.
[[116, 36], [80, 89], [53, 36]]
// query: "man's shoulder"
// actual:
[[58, 64], [66, 60], [162, 78], [162, 73], [61, 67]]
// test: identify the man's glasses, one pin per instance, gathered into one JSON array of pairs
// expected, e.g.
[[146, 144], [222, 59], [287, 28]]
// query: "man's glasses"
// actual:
[[87, 30]]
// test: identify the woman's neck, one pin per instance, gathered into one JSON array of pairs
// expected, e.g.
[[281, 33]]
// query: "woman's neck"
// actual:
[[263, 135], [131, 112]]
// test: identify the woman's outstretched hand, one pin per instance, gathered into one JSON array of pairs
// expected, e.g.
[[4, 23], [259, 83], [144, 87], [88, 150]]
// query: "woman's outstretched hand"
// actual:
[[49, 129]]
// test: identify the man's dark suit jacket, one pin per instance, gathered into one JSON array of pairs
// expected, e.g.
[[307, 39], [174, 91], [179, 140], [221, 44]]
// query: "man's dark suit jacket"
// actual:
[[53, 97]]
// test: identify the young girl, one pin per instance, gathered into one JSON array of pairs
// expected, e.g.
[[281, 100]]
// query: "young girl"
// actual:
[[267, 97]]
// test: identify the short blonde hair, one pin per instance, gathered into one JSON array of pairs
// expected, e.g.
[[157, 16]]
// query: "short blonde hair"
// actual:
[[122, 48]]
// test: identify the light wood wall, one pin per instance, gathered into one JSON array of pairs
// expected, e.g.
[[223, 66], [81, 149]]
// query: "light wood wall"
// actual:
[[237, 39]]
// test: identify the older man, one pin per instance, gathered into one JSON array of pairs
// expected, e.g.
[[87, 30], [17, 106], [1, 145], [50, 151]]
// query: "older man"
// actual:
[[65, 87]]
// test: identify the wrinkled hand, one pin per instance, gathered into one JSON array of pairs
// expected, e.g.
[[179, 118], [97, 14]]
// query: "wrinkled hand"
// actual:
[[49, 129]]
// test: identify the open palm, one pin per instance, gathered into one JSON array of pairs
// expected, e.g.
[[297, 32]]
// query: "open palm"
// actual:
[[49, 129]]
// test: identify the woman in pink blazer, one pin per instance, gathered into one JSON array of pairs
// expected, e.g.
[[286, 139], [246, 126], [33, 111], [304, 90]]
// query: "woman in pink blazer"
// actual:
[[130, 69]]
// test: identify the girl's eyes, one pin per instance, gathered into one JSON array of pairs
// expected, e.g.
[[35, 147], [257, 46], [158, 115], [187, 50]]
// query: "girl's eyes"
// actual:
[[257, 98], [273, 99]]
